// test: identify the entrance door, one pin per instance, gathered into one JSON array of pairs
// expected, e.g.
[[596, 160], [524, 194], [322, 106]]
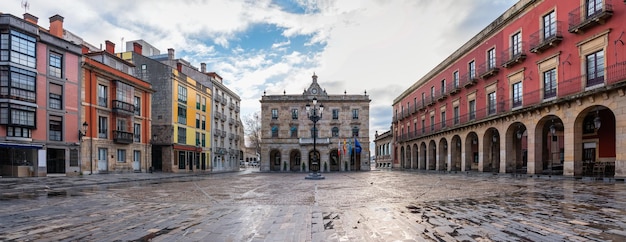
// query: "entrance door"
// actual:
[[589, 158], [137, 161], [55, 161], [103, 163]]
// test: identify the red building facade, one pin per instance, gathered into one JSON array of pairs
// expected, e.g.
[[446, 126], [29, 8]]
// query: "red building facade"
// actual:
[[39, 102], [531, 93]]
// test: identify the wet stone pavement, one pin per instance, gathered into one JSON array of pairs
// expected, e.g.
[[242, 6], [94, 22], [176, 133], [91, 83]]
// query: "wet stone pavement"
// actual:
[[362, 206]]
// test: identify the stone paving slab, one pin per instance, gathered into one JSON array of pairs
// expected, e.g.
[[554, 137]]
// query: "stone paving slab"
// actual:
[[362, 206]]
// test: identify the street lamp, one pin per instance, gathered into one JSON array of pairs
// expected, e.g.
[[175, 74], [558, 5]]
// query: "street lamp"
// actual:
[[313, 115], [83, 132]]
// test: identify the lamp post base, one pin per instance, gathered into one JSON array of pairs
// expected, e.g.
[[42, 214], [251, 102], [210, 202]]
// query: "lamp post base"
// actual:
[[315, 176]]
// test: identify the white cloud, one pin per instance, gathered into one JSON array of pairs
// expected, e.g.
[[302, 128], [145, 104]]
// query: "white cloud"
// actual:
[[379, 46]]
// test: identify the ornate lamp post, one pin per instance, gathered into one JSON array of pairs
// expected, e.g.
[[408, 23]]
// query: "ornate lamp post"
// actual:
[[312, 113]]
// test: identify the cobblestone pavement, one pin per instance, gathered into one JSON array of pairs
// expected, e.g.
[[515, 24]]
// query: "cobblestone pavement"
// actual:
[[361, 206]]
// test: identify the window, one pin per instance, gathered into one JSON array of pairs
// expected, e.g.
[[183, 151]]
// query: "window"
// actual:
[[294, 132], [198, 106], [274, 113], [432, 93], [181, 159], [182, 94], [517, 94], [443, 86], [456, 115], [549, 25], [17, 83], [355, 131], [182, 114], [314, 133], [19, 132], [182, 135], [121, 125], [491, 59], [198, 142], [124, 93], [294, 114], [137, 133], [335, 114], [432, 123], [472, 69], [203, 140], [137, 158], [203, 104], [16, 114], [443, 119], [491, 99], [55, 65], [103, 127], [595, 68], [102, 95], [274, 131], [549, 84], [415, 127], [593, 7], [423, 126], [137, 103], [197, 120], [121, 156], [55, 97], [516, 44], [335, 132], [456, 79], [18, 48], [355, 114], [55, 128], [203, 122], [472, 109]]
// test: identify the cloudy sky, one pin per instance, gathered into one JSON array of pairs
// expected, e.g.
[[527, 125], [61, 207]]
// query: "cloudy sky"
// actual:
[[378, 46]]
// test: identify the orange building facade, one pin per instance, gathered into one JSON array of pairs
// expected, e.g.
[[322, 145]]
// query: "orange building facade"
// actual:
[[117, 113], [535, 92]]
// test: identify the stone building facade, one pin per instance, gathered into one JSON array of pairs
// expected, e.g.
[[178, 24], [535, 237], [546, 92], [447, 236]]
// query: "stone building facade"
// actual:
[[536, 92], [383, 152], [287, 137]]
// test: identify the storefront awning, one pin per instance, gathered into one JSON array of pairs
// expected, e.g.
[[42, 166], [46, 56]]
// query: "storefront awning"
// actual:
[[20, 146]]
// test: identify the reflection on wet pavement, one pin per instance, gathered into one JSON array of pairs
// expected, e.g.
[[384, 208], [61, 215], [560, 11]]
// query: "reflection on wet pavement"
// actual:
[[369, 206]]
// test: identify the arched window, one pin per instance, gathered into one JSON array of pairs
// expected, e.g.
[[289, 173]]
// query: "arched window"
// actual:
[[335, 132], [294, 132], [355, 131]]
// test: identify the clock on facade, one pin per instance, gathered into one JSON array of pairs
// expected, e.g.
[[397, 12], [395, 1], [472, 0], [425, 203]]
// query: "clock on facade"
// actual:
[[314, 90]]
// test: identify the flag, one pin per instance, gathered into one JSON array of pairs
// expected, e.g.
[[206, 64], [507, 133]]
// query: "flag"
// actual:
[[357, 145], [344, 146], [350, 147], [339, 148]]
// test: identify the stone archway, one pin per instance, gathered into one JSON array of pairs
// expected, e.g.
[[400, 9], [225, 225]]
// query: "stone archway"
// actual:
[[595, 143], [491, 151], [403, 158], [442, 161], [415, 155], [455, 153], [423, 161], [295, 160], [333, 157], [275, 160], [549, 147], [432, 155], [516, 160], [471, 152], [408, 157]]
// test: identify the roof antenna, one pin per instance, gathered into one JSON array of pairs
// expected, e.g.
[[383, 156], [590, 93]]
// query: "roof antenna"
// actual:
[[25, 6]]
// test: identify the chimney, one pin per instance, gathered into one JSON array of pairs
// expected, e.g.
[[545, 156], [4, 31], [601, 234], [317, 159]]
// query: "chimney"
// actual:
[[56, 25], [30, 18], [179, 67], [203, 67], [170, 54], [110, 47], [85, 49], [137, 48]]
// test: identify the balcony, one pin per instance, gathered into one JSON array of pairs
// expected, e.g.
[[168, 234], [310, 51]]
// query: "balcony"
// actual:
[[513, 55], [231, 121], [468, 80], [231, 136], [220, 151], [218, 115], [122, 137], [123, 108], [309, 141], [486, 71], [217, 132], [223, 134], [224, 101], [545, 39], [236, 137], [231, 106], [442, 95], [454, 88], [584, 17], [218, 98]]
